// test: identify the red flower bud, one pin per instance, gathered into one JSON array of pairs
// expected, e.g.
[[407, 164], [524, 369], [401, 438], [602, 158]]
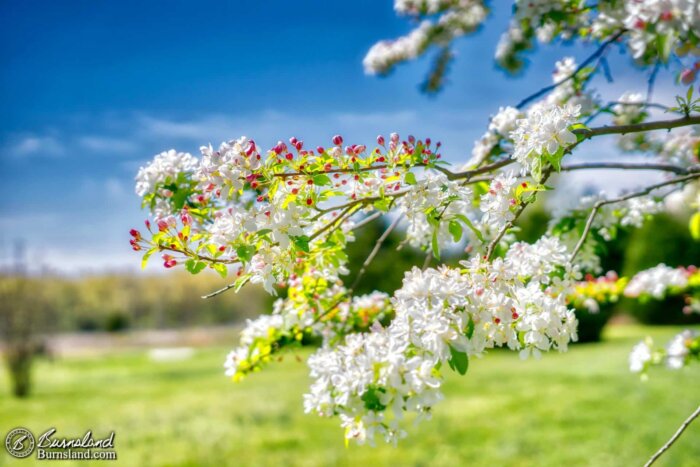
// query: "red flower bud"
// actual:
[[380, 140], [687, 76], [338, 140]]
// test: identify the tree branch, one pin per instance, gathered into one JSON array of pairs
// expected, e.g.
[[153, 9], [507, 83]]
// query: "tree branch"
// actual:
[[638, 127], [678, 170], [598, 53], [375, 250], [674, 438], [637, 194]]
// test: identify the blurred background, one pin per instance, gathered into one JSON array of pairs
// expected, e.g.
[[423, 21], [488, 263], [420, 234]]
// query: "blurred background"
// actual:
[[92, 90]]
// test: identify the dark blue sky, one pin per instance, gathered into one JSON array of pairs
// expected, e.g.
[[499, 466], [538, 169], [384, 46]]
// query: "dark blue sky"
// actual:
[[91, 90]]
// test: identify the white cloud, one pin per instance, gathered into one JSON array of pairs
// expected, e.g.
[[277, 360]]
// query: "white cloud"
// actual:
[[108, 145], [35, 145]]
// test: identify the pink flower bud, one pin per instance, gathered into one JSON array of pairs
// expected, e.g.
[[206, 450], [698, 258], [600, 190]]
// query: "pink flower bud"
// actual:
[[687, 76], [394, 138], [411, 139], [251, 148], [186, 218], [338, 140], [359, 149], [320, 150], [380, 140], [279, 148], [293, 141]]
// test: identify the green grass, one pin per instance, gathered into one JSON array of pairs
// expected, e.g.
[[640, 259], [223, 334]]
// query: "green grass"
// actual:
[[578, 408]]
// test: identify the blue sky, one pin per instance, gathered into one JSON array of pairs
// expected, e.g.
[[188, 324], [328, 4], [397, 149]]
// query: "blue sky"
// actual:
[[92, 90]]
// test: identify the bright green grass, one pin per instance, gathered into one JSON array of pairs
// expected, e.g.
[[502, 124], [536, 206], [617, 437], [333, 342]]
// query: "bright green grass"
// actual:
[[578, 408]]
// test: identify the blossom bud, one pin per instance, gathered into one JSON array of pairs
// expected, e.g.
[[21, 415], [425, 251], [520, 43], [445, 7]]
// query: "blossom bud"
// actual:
[[338, 140], [169, 261], [251, 148], [411, 139], [162, 225], [293, 141], [279, 148], [298, 145], [135, 233], [359, 149], [380, 140], [186, 218], [394, 138], [320, 150], [687, 76]]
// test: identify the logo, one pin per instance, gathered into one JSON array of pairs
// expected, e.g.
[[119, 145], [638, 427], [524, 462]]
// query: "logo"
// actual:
[[20, 443]]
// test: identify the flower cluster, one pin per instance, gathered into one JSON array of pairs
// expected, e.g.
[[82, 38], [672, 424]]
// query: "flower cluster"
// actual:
[[571, 86], [661, 280], [455, 19], [442, 317], [680, 351], [434, 208], [652, 29], [596, 291], [543, 136], [262, 212], [315, 307]]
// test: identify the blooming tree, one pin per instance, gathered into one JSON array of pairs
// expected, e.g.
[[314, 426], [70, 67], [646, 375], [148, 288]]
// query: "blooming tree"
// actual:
[[282, 217]]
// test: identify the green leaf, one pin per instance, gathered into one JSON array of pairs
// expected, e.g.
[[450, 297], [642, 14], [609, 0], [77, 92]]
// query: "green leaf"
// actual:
[[321, 180], [435, 246], [695, 226], [147, 255], [459, 361], [455, 229], [221, 269], [410, 178], [471, 226], [301, 242], [240, 282], [245, 252], [194, 267], [371, 399], [469, 332], [382, 204]]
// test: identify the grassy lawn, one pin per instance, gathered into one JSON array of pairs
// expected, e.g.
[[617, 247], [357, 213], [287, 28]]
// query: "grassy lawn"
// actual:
[[579, 408]]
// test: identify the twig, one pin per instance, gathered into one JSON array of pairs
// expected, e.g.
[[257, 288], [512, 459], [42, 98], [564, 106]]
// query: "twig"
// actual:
[[220, 291], [674, 438], [367, 220], [427, 260], [518, 213], [598, 53], [678, 170], [652, 81], [638, 127], [601, 203], [375, 250]]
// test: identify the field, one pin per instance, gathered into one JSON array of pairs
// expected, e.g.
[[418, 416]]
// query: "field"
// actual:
[[579, 408]]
